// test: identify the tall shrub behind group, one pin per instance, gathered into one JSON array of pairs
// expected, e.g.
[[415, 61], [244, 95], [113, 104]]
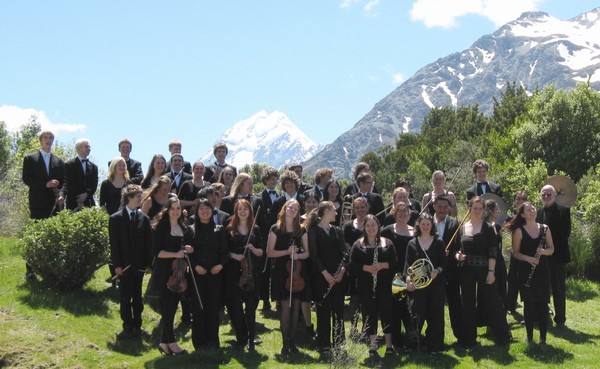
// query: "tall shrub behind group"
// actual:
[[66, 250]]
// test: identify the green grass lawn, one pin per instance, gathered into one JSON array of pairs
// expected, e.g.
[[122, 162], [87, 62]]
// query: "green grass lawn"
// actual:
[[41, 328]]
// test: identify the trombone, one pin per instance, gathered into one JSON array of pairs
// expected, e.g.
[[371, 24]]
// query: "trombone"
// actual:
[[347, 210]]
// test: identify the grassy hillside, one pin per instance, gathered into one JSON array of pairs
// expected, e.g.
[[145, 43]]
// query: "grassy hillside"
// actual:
[[41, 328]]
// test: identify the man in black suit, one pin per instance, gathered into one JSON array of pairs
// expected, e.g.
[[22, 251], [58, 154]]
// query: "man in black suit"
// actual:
[[269, 177], [43, 173], [290, 184], [213, 171], [177, 174], [298, 169], [558, 219], [134, 167], [322, 176], [365, 184], [130, 253], [446, 229], [482, 186], [175, 148], [81, 178]]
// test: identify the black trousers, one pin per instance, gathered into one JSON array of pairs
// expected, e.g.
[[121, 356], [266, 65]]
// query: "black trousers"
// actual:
[[472, 283], [130, 299], [429, 305], [557, 283], [453, 297], [331, 309], [535, 309], [205, 324], [241, 306], [168, 306], [378, 308], [400, 316], [512, 279]]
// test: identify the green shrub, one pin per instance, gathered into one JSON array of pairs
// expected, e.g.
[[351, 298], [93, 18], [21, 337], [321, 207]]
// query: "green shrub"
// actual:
[[65, 250]]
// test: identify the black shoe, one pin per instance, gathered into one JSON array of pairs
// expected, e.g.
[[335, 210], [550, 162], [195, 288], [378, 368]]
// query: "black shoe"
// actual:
[[136, 332], [125, 333], [30, 277], [294, 349], [285, 350], [251, 344], [164, 351], [389, 351], [266, 306], [372, 353]]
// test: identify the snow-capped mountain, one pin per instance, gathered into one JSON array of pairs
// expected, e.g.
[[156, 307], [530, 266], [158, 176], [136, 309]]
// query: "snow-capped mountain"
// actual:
[[266, 138], [534, 50]]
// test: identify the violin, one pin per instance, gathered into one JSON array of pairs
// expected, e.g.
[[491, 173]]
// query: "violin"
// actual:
[[177, 281], [294, 281], [247, 282]]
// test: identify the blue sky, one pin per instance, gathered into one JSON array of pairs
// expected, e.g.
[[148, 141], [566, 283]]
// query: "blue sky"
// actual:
[[153, 71]]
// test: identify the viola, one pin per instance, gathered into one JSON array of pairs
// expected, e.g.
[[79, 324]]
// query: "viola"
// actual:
[[177, 281], [247, 282]]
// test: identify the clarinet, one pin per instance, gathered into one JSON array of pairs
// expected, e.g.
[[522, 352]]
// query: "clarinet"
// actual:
[[537, 256], [330, 287], [375, 261]]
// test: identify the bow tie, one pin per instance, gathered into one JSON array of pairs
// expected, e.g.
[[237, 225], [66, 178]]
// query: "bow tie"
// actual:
[[221, 165], [215, 212], [85, 160], [272, 192]]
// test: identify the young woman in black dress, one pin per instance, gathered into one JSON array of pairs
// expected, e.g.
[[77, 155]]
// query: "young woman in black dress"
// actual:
[[110, 188], [400, 233], [287, 241], [329, 259], [154, 199], [157, 168], [528, 237], [429, 301], [209, 258], [171, 240], [374, 260], [478, 253], [244, 246]]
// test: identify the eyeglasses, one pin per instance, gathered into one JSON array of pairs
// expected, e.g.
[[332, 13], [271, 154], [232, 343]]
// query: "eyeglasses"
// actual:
[[543, 194]]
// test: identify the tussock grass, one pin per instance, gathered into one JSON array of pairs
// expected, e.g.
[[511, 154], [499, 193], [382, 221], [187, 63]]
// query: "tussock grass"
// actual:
[[43, 329]]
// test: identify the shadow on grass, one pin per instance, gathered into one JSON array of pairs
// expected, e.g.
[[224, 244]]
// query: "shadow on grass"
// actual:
[[580, 290], [210, 358], [443, 360], [548, 354], [79, 303], [573, 336], [496, 353]]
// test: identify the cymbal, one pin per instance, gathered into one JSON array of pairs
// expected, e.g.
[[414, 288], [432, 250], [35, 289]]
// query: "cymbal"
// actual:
[[501, 205], [566, 190]]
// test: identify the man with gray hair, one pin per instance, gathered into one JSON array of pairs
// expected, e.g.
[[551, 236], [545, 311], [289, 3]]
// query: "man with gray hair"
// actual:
[[81, 178], [558, 219]]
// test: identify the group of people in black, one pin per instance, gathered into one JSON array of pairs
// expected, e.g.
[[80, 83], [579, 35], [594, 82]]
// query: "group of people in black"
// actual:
[[212, 244]]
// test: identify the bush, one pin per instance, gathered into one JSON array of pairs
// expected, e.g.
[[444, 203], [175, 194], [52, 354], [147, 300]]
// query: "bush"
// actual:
[[65, 250]]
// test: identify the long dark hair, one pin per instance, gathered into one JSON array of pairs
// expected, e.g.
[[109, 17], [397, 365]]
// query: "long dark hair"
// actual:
[[432, 232], [377, 236], [162, 218], [150, 173], [326, 191], [314, 217], [518, 220], [235, 220]]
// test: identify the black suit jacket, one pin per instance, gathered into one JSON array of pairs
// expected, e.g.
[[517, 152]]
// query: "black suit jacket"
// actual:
[[268, 203], [228, 203], [130, 241], [77, 183], [187, 167], [450, 227], [41, 198], [558, 219], [184, 177], [375, 205], [476, 191], [209, 173], [278, 205], [134, 168]]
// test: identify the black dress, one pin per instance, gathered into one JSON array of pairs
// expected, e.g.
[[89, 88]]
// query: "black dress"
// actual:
[[351, 235], [379, 305], [537, 296], [110, 196], [280, 273], [162, 240], [479, 248], [400, 313]]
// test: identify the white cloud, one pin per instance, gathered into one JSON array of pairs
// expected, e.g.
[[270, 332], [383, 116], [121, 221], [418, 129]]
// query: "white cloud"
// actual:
[[398, 78], [443, 13], [348, 3], [371, 5], [15, 117]]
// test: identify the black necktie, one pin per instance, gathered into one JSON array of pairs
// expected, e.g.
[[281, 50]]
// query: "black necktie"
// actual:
[[132, 216]]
